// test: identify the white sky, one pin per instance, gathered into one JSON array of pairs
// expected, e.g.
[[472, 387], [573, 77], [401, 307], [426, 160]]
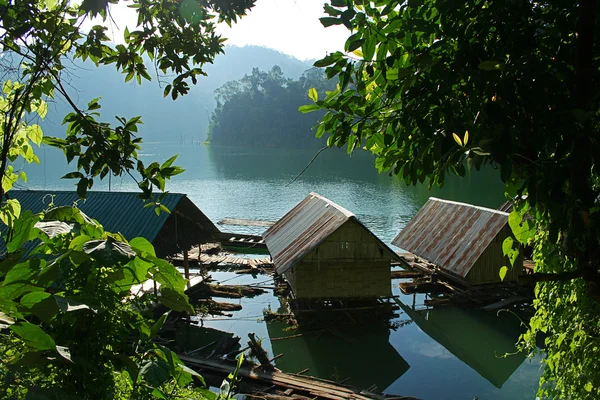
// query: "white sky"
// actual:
[[290, 26]]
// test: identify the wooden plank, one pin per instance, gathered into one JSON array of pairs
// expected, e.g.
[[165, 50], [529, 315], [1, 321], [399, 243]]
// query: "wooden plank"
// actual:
[[407, 274], [318, 387], [245, 222]]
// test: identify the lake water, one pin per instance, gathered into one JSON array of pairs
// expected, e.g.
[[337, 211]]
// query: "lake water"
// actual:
[[432, 354]]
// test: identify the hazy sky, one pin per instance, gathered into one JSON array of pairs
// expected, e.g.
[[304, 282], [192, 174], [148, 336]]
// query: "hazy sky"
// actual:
[[290, 26]]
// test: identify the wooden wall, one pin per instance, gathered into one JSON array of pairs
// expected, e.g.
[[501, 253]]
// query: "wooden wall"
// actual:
[[349, 263], [487, 268]]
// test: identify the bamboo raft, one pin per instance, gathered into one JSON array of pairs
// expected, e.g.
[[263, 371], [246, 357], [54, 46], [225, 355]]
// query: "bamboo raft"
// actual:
[[426, 279], [231, 260], [293, 385]]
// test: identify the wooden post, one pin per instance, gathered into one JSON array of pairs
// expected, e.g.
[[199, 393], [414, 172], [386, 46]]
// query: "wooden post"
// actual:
[[186, 267]]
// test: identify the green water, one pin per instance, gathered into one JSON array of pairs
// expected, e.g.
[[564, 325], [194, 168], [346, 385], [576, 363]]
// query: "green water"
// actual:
[[436, 354]]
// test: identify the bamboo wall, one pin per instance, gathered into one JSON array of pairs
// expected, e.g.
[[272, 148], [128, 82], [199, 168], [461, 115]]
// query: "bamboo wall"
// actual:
[[487, 268], [349, 263]]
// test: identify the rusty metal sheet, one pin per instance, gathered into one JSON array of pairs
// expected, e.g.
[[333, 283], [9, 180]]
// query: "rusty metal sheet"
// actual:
[[451, 235], [303, 228]]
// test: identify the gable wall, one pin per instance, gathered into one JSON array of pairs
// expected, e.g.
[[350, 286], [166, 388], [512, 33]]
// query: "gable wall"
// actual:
[[487, 267], [349, 263]]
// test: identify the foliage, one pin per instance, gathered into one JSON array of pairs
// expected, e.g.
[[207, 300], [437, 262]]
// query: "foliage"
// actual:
[[260, 110], [37, 40], [434, 87], [74, 328], [70, 311]]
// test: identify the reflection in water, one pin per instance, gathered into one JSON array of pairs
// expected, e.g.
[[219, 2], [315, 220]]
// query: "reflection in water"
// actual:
[[192, 337], [480, 340], [360, 357]]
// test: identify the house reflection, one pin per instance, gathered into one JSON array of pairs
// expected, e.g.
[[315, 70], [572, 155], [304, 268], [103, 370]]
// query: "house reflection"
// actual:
[[359, 357], [483, 341]]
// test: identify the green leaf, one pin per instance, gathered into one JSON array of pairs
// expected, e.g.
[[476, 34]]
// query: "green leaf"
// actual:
[[41, 304], [21, 272], [158, 325], [21, 231], [328, 60], [503, 272], [33, 336], [82, 187], [329, 21], [368, 48], [141, 245], [175, 300], [522, 228], [312, 93], [51, 4], [490, 65], [35, 134], [308, 108], [507, 245], [457, 139], [156, 372], [42, 109], [169, 162], [73, 175], [31, 299]]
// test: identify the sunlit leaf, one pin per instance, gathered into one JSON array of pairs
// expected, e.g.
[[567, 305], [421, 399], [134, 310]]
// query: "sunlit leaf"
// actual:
[[33, 336], [502, 273]]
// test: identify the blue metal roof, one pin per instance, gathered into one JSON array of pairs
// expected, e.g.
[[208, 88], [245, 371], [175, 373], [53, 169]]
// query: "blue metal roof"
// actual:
[[121, 212]]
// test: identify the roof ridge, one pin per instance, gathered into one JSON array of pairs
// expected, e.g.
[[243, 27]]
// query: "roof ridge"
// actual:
[[469, 205], [343, 210]]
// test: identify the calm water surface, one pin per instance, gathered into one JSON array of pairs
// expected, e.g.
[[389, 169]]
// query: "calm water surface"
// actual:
[[432, 354]]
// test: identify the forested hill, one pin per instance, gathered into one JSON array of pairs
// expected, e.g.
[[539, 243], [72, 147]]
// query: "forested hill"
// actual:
[[187, 118], [261, 110]]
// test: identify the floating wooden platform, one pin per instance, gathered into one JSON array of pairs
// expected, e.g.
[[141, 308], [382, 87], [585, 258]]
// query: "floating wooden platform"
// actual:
[[407, 274], [245, 222], [242, 240], [428, 279], [231, 260], [292, 384], [422, 287]]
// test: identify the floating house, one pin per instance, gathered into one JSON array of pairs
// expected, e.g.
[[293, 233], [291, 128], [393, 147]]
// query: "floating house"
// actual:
[[325, 252], [464, 241], [186, 226]]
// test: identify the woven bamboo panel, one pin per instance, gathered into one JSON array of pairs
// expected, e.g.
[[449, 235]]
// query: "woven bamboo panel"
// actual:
[[339, 280], [487, 267]]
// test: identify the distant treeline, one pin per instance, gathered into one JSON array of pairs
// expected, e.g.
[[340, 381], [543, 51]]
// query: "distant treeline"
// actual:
[[261, 110]]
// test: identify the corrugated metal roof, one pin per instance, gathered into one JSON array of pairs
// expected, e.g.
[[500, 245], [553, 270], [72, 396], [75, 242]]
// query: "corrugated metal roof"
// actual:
[[303, 228], [117, 211], [451, 235]]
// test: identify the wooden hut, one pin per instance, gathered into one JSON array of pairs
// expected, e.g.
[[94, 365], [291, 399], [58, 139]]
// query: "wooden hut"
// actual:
[[462, 240], [325, 252], [186, 226]]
